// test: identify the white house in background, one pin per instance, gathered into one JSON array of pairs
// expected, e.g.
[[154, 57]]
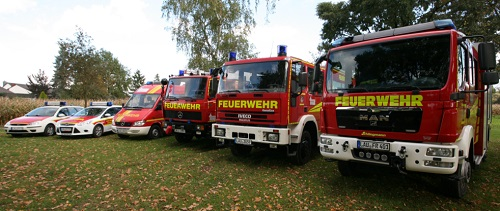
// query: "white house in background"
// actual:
[[17, 89]]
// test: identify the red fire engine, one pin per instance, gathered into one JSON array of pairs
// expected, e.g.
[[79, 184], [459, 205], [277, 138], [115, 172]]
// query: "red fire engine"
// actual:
[[189, 105], [266, 102], [417, 98]]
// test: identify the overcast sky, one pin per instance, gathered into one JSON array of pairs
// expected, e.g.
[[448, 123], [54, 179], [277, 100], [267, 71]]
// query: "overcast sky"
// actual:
[[134, 31]]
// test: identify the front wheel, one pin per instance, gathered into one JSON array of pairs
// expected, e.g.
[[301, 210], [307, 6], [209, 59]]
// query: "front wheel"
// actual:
[[97, 132], [240, 150], [304, 149], [183, 138], [154, 132], [456, 185], [50, 130]]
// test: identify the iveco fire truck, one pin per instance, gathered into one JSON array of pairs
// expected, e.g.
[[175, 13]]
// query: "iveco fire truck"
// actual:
[[189, 105], [416, 98], [266, 102]]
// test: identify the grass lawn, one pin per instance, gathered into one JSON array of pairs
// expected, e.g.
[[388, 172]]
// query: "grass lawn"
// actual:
[[120, 174]]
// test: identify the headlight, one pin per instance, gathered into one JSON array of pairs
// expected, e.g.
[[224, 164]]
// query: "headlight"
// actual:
[[200, 127], [113, 122], [84, 123], [139, 123], [327, 141], [439, 152], [7, 124], [34, 123], [220, 132], [273, 137]]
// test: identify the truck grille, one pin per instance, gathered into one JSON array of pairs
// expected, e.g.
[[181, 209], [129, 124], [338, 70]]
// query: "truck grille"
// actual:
[[388, 119], [187, 115]]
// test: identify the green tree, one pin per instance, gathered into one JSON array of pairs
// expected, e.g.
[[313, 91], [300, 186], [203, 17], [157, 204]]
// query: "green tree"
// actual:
[[43, 96], [207, 30], [479, 17], [137, 80], [115, 75], [38, 83]]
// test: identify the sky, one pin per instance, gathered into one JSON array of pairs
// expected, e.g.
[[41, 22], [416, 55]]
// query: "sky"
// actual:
[[135, 32]]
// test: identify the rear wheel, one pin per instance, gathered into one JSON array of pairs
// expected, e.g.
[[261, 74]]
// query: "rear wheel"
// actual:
[[304, 149], [154, 132], [97, 132], [50, 130], [183, 138], [240, 150]]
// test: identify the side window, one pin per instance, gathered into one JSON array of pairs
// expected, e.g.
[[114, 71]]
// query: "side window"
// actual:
[[64, 111], [461, 69], [317, 88], [112, 111], [73, 111], [471, 71], [214, 84], [296, 68]]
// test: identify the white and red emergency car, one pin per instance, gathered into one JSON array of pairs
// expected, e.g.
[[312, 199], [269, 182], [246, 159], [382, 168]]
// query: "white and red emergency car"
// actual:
[[41, 120], [94, 120]]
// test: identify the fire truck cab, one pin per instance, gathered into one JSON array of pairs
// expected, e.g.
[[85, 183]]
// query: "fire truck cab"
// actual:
[[267, 102], [415, 98], [189, 105]]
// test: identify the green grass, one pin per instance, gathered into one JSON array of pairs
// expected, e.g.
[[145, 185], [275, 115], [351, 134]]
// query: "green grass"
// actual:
[[119, 174]]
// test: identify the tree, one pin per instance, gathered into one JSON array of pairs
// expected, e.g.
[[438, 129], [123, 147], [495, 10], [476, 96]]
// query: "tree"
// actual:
[[43, 96], [38, 83], [115, 75], [481, 17], [207, 30], [137, 80]]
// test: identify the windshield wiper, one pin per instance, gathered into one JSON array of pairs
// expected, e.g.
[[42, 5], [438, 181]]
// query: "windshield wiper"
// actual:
[[233, 90], [356, 89], [401, 87], [258, 90], [133, 107], [172, 98]]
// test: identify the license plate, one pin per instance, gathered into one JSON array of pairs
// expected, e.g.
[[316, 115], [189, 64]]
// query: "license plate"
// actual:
[[66, 129], [179, 130], [121, 130], [243, 141], [16, 128], [375, 145]]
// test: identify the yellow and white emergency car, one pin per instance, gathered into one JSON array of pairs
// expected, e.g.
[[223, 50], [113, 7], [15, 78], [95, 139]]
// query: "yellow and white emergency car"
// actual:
[[94, 120], [41, 120]]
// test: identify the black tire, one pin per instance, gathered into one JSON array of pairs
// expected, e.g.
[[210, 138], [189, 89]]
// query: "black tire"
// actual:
[[122, 136], [50, 130], [304, 150], [16, 135], [240, 150], [183, 138], [97, 131], [346, 168], [154, 132], [457, 184]]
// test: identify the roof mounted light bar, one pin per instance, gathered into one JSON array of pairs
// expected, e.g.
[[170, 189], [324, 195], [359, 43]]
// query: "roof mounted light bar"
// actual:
[[109, 103], [55, 103], [436, 25]]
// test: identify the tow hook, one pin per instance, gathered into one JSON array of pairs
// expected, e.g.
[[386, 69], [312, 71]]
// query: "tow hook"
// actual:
[[402, 152], [345, 145]]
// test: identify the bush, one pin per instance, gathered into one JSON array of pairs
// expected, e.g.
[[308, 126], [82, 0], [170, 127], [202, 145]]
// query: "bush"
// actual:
[[43, 96]]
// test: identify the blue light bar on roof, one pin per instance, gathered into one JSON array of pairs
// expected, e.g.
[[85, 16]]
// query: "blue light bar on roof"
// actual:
[[232, 56], [282, 50], [149, 82], [109, 103], [55, 103], [181, 72], [338, 42], [444, 24]]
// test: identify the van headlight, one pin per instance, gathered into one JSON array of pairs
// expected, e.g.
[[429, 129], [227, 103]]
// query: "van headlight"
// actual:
[[34, 123], [220, 132], [327, 141], [275, 137], [440, 152], [139, 123]]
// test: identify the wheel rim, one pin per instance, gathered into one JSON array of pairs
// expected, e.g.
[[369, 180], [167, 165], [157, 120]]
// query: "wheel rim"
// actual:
[[155, 133], [50, 130], [98, 131]]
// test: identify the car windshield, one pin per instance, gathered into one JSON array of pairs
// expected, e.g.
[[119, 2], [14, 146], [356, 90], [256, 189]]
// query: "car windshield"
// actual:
[[187, 87], [90, 112], [254, 77], [410, 64], [43, 111], [142, 101]]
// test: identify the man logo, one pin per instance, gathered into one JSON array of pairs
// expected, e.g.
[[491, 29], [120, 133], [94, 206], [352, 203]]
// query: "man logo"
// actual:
[[180, 114]]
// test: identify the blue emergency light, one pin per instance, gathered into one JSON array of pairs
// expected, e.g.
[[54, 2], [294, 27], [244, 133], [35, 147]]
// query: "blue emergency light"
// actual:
[[109, 103], [232, 56], [281, 50], [55, 103], [149, 82], [181, 72]]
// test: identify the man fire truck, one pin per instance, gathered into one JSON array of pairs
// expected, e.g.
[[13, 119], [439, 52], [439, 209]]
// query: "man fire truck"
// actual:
[[266, 102], [416, 98], [189, 105]]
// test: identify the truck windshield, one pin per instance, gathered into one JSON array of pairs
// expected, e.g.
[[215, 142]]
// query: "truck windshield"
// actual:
[[410, 64], [43, 111], [142, 101], [188, 87], [254, 77], [90, 112]]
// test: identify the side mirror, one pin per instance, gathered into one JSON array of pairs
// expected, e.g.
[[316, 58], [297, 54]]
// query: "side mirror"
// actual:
[[487, 56], [489, 78], [61, 115], [164, 81], [303, 79], [107, 115]]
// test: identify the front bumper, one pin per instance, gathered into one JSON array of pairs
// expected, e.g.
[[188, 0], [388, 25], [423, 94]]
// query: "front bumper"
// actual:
[[24, 129], [250, 135], [408, 156], [198, 129], [75, 130], [131, 131]]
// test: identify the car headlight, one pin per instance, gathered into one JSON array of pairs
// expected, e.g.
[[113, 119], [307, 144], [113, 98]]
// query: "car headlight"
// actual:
[[113, 122], [440, 152], [220, 132], [139, 123], [273, 137], [327, 141], [84, 123], [34, 123], [7, 124]]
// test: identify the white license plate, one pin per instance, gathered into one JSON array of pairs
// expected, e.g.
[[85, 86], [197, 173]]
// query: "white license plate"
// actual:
[[121, 130], [16, 128], [375, 145], [66, 129], [179, 130], [243, 141]]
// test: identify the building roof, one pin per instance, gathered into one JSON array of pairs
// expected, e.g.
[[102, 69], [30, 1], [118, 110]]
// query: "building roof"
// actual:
[[11, 85], [4, 91]]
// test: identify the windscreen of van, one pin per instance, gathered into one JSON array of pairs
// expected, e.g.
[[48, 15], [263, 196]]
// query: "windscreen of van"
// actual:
[[142, 101]]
